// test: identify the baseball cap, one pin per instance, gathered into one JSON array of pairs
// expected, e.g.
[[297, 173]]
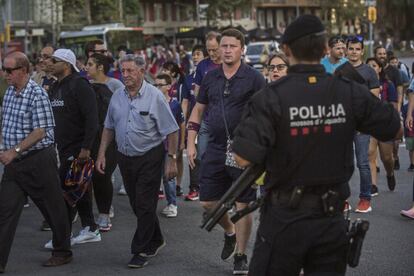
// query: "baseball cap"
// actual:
[[67, 56], [304, 25]]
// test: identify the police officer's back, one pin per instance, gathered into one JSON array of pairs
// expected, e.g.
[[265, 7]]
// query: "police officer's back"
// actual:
[[301, 128]]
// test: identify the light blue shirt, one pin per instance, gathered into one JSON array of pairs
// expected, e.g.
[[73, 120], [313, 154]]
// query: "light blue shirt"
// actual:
[[411, 87], [140, 123], [329, 67]]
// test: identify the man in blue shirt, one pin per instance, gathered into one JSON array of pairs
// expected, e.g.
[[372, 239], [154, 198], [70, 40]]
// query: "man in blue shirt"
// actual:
[[224, 91], [139, 118], [336, 55], [30, 161]]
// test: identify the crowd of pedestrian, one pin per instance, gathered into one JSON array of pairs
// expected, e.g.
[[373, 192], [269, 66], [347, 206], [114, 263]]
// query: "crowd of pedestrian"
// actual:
[[143, 111]]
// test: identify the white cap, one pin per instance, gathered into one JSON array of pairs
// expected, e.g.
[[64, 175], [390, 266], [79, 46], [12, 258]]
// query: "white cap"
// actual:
[[67, 56]]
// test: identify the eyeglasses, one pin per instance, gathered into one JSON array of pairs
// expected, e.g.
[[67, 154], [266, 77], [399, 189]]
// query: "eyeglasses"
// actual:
[[44, 57], [54, 61], [227, 91], [160, 84], [100, 51], [279, 67], [334, 40], [10, 70], [356, 38]]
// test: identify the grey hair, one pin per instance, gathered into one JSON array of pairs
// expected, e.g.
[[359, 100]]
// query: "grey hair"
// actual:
[[138, 60]]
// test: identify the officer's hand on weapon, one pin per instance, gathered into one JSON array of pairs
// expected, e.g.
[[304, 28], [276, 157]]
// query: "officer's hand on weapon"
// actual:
[[191, 154], [241, 162]]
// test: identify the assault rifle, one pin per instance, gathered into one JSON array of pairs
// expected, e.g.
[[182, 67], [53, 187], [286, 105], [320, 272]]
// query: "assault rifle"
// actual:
[[246, 179]]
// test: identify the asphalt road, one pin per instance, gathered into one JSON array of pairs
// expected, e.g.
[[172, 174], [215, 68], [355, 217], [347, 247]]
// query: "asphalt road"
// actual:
[[388, 248]]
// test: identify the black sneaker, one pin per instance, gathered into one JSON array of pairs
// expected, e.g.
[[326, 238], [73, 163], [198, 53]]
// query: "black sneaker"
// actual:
[[138, 261], [411, 168], [178, 190], [396, 164], [229, 248], [153, 251], [391, 182], [240, 265], [374, 190], [45, 226]]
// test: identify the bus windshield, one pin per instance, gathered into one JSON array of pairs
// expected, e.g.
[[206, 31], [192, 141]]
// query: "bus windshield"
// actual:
[[133, 38]]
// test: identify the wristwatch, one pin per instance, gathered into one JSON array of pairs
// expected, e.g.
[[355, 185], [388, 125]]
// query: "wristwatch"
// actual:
[[18, 150], [173, 156]]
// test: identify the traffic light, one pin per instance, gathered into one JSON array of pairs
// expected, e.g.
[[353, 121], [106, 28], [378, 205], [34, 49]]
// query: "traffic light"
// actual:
[[372, 14]]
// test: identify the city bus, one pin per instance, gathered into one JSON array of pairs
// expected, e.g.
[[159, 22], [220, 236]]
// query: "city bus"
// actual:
[[113, 35]]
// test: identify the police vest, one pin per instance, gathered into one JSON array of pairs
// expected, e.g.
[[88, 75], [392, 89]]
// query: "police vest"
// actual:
[[314, 120]]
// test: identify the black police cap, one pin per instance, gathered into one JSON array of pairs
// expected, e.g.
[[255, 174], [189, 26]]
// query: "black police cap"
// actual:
[[302, 26]]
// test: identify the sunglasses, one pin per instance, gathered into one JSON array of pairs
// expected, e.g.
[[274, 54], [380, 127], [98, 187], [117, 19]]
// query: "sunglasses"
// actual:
[[10, 70], [54, 61], [279, 67], [100, 51], [356, 38], [44, 57]]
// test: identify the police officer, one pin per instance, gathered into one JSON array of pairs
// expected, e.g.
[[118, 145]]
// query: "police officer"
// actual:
[[293, 127]]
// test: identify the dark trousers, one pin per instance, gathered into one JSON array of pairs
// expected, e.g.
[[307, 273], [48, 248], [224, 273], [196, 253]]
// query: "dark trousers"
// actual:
[[37, 176], [142, 176], [288, 240], [84, 205], [102, 183]]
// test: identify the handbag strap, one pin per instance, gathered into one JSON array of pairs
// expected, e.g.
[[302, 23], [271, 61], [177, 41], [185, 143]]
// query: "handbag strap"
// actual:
[[226, 85]]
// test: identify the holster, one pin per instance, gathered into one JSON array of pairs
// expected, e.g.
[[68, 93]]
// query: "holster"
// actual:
[[356, 234]]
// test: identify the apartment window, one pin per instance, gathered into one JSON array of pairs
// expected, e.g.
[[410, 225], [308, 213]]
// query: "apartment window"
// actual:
[[168, 12], [158, 11]]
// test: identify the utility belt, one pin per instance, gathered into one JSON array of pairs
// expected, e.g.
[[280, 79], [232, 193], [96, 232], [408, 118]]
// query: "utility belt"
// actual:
[[320, 199]]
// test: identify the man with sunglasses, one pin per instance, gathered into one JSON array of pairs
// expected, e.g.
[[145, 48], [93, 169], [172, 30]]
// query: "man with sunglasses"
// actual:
[[336, 56], [30, 161], [224, 92], [75, 109], [45, 78]]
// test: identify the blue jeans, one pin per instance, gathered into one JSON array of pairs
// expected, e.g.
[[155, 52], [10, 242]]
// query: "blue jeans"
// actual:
[[361, 152], [170, 186], [170, 191]]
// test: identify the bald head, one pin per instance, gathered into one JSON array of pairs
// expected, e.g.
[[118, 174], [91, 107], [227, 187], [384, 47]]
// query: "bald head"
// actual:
[[20, 60]]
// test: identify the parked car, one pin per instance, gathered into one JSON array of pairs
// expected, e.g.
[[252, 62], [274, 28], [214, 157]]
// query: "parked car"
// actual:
[[257, 53]]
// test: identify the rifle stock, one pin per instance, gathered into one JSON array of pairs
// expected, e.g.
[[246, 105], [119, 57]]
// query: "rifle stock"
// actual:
[[246, 179]]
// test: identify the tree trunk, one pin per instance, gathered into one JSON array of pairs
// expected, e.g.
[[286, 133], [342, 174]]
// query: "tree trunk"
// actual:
[[88, 12]]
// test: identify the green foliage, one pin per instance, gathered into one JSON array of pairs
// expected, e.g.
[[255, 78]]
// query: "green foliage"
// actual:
[[224, 9], [100, 11]]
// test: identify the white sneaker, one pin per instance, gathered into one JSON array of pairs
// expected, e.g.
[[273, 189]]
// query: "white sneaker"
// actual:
[[87, 236], [122, 190], [111, 212], [170, 211], [49, 244], [104, 223]]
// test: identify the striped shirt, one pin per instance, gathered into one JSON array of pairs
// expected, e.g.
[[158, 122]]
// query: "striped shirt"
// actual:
[[24, 112]]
